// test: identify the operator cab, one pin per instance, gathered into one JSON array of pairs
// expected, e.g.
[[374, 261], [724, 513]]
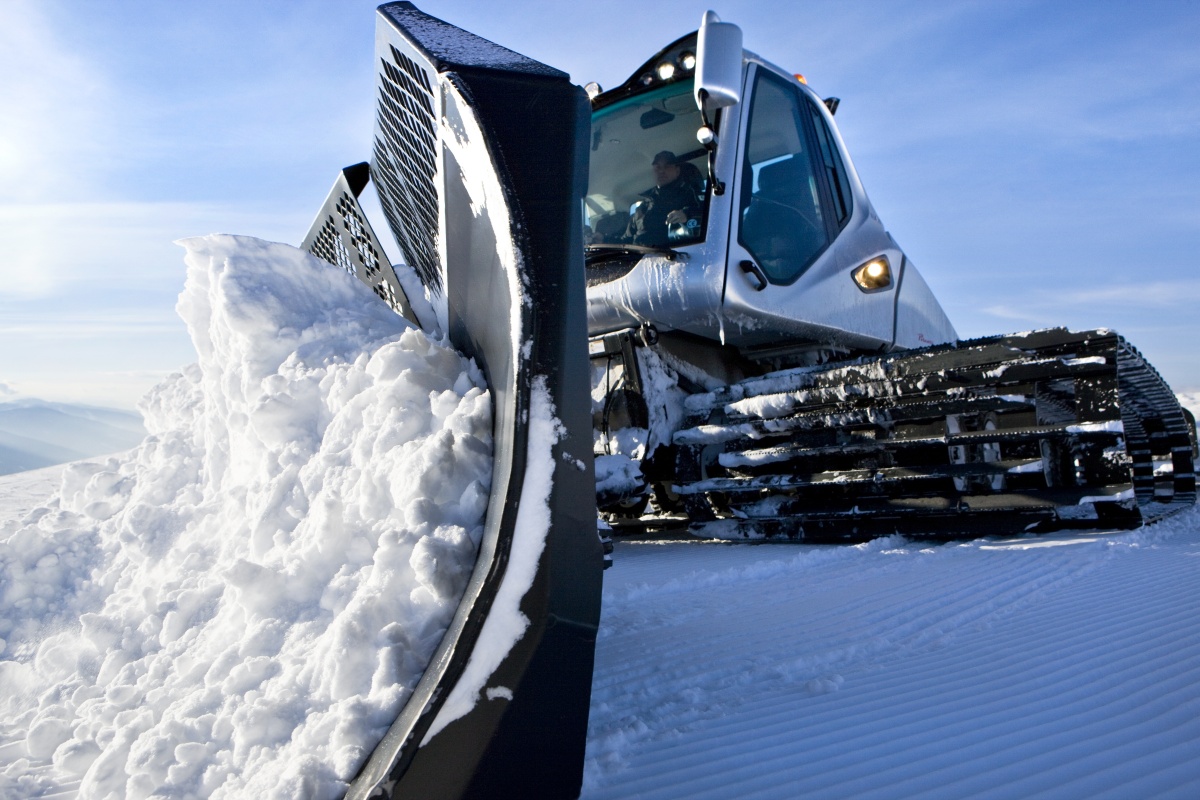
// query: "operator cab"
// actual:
[[721, 203], [640, 146]]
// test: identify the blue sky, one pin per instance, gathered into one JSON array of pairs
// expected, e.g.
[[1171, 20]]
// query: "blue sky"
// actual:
[[1038, 161]]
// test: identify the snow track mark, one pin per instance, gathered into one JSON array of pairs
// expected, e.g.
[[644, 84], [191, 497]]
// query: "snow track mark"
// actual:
[[996, 669]]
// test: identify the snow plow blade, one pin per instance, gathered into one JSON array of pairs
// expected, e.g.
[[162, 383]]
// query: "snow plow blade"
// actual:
[[486, 208]]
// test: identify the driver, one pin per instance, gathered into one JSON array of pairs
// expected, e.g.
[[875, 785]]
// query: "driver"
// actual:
[[672, 201]]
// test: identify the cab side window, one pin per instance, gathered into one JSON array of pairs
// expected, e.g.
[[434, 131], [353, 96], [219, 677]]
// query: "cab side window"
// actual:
[[782, 224], [835, 170]]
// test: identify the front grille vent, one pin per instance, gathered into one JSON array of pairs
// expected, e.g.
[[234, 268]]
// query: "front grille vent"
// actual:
[[405, 162]]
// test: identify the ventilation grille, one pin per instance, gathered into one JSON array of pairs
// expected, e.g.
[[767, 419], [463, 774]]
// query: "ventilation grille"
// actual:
[[364, 262], [329, 246], [406, 163]]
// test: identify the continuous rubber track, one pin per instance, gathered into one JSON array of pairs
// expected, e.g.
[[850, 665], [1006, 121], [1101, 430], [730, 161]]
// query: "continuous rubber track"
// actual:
[[1040, 431]]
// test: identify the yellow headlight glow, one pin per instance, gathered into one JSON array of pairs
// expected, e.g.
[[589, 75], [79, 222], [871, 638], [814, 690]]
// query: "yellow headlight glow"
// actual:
[[876, 274]]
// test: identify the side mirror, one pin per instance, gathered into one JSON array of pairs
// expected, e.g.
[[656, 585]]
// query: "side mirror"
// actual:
[[718, 81], [718, 64]]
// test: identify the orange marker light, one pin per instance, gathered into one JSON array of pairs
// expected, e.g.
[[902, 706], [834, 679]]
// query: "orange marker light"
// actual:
[[800, 78]]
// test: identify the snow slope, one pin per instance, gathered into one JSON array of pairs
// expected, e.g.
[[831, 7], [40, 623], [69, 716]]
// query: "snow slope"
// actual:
[[21, 493], [1033, 667], [241, 606]]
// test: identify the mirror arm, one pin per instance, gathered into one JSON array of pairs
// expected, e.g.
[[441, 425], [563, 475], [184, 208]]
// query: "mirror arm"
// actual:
[[707, 136]]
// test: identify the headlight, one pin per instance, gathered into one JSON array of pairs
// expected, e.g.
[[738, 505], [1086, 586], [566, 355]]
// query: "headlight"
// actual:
[[665, 70], [874, 275]]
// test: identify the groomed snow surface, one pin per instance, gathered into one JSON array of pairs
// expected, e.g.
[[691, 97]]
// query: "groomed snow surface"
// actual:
[[241, 606], [1054, 666]]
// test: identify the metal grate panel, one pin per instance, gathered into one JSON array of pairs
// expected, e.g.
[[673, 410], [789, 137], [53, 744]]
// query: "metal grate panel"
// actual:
[[342, 236], [405, 162]]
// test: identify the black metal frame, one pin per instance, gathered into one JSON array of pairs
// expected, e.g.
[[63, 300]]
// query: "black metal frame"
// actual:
[[523, 321]]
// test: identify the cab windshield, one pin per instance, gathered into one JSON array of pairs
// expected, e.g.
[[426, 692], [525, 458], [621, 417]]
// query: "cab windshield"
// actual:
[[648, 179]]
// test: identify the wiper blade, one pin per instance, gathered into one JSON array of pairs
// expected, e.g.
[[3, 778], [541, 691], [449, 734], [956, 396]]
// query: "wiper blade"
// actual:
[[592, 250]]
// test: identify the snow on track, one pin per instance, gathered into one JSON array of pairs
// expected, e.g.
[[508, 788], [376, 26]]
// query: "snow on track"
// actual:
[[1041, 666]]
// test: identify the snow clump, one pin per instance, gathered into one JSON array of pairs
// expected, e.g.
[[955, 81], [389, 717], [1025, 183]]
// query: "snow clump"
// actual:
[[241, 606]]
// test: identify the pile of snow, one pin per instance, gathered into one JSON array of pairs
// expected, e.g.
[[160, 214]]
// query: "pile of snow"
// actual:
[[242, 605]]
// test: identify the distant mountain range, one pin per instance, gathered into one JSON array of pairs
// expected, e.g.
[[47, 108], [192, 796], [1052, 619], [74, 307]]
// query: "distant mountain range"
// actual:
[[37, 433]]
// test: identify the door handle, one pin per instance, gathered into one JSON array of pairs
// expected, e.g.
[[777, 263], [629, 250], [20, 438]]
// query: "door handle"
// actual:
[[758, 279]]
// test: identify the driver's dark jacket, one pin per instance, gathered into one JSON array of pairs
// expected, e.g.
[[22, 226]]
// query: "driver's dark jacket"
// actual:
[[648, 225]]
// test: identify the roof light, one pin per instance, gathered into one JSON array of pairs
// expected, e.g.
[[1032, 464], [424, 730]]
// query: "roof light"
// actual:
[[593, 90], [874, 275], [646, 79], [802, 79], [665, 70], [687, 60]]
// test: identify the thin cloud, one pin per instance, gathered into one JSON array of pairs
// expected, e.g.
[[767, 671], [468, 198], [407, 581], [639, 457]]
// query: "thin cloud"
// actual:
[[1046, 84], [1136, 310], [1014, 313], [1143, 297], [57, 248], [104, 388], [73, 328], [1146, 296], [57, 108]]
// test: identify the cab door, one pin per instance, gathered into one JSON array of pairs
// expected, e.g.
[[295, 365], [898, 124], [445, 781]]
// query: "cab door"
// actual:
[[798, 238]]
